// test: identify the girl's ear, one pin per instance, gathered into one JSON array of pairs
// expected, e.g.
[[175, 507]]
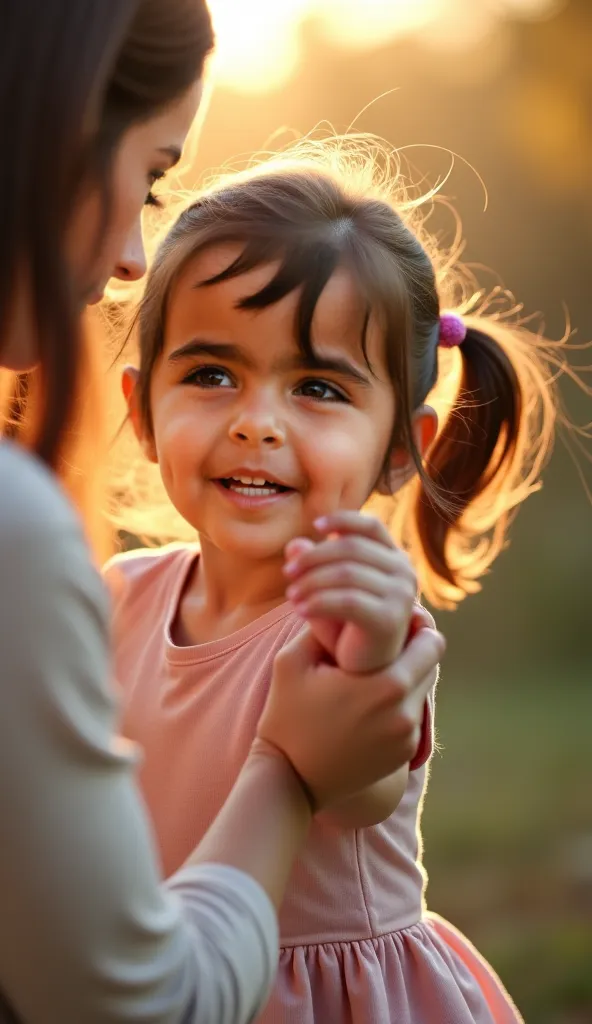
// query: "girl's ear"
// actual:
[[129, 386], [401, 467]]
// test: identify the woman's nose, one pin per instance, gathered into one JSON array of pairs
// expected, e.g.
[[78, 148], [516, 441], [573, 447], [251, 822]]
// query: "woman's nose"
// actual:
[[132, 262]]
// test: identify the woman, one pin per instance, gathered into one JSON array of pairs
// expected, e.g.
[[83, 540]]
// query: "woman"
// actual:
[[96, 97]]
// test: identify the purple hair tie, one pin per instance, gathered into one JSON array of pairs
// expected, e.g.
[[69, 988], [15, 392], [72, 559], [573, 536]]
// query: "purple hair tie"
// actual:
[[453, 330]]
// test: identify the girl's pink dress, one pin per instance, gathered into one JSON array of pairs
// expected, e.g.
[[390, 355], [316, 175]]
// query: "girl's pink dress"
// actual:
[[357, 946]]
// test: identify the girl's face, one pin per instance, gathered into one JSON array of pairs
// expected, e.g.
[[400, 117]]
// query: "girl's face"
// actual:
[[146, 152], [253, 444]]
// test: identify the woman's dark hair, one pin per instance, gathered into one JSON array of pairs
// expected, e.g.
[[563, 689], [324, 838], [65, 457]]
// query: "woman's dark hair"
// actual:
[[74, 76], [499, 415]]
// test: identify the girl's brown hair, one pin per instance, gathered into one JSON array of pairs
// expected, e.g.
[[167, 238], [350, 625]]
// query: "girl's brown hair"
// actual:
[[496, 390], [75, 75]]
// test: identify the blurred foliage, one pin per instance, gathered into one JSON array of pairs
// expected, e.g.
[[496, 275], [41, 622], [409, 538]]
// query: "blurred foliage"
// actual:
[[508, 834]]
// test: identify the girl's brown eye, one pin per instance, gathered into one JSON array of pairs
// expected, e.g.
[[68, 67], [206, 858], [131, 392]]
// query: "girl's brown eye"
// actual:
[[320, 390], [209, 377]]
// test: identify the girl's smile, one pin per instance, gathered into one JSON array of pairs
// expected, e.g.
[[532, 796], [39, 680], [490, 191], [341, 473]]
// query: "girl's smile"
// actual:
[[253, 489]]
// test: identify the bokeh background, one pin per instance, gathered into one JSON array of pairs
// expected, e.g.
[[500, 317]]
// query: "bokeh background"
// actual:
[[506, 85]]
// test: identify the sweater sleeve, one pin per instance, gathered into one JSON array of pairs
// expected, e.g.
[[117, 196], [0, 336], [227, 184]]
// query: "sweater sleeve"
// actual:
[[87, 930]]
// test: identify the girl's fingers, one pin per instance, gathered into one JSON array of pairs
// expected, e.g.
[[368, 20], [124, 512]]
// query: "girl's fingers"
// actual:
[[390, 561], [296, 548], [356, 523], [341, 576], [353, 606]]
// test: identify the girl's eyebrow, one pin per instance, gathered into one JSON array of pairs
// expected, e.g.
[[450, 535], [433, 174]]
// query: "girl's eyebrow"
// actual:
[[330, 364], [234, 353], [214, 349]]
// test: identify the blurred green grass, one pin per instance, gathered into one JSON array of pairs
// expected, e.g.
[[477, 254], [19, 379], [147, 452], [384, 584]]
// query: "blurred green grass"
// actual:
[[508, 833]]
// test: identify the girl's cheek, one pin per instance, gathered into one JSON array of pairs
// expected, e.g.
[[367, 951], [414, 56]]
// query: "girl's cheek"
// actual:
[[343, 460], [177, 433], [331, 452]]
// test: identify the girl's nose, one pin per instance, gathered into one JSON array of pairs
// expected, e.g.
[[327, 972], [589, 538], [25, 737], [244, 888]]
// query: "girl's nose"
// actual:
[[256, 426]]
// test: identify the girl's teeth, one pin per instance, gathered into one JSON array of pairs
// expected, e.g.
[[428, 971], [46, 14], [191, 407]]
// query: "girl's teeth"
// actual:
[[253, 492], [252, 487], [258, 481]]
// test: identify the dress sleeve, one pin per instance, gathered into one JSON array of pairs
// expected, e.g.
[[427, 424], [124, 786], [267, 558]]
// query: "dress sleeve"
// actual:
[[87, 930]]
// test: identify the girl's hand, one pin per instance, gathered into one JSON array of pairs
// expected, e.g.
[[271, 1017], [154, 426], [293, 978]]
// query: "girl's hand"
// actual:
[[343, 732], [356, 590]]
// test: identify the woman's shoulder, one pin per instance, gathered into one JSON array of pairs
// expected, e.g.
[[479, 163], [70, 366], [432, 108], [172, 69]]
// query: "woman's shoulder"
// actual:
[[50, 589], [30, 496], [43, 550]]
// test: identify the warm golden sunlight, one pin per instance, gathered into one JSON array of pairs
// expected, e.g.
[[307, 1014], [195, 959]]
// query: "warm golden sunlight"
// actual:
[[259, 40]]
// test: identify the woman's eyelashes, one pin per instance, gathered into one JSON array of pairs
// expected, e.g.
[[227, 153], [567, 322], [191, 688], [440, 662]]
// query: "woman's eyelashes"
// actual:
[[151, 198], [214, 377]]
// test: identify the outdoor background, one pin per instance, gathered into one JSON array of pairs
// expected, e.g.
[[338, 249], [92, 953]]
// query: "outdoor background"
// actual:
[[506, 85]]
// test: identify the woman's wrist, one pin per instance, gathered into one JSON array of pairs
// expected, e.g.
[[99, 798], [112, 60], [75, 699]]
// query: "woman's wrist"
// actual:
[[263, 750]]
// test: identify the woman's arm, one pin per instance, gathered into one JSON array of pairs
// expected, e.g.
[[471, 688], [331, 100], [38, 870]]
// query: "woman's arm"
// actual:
[[262, 824], [87, 933]]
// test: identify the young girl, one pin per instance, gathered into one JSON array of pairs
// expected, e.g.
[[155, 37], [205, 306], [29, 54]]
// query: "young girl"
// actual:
[[290, 335]]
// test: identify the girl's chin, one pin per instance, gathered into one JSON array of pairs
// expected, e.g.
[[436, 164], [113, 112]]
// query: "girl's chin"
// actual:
[[249, 548]]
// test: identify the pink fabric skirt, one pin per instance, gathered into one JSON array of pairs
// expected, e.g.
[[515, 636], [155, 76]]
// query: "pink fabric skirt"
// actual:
[[426, 974]]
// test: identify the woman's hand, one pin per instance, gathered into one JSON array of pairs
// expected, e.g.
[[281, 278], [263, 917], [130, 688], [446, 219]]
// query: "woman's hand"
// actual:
[[340, 731], [356, 590]]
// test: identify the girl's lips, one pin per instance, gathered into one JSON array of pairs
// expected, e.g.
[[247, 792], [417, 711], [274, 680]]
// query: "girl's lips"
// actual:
[[251, 497]]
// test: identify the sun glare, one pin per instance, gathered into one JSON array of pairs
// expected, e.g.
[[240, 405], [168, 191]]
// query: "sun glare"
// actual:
[[259, 40], [256, 41]]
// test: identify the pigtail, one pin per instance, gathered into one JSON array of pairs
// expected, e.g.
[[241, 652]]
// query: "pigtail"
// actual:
[[486, 459]]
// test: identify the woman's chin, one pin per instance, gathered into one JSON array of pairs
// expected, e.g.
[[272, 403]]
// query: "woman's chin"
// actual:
[[18, 358]]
